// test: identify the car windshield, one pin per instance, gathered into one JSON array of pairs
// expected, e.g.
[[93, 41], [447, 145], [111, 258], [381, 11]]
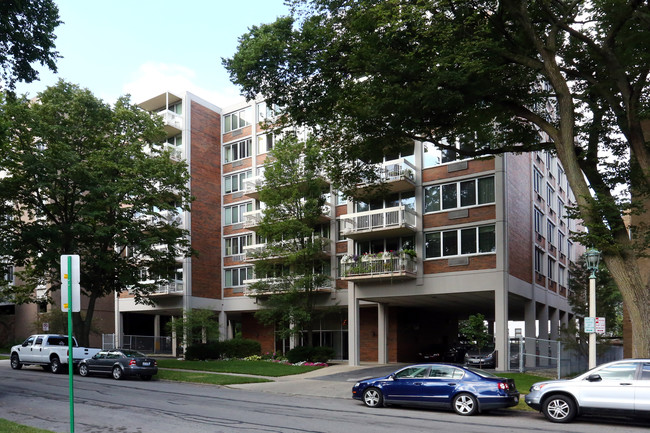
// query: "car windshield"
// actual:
[[481, 373], [133, 354]]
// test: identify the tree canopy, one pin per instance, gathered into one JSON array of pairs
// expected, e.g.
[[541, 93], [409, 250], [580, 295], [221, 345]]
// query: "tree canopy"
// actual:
[[480, 78], [292, 268], [26, 37], [82, 177]]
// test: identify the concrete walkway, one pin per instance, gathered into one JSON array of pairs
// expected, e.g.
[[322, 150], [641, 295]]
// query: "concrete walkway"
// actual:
[[335, 381]]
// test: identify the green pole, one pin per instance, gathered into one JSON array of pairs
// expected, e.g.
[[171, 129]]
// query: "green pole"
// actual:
[[70, 366]]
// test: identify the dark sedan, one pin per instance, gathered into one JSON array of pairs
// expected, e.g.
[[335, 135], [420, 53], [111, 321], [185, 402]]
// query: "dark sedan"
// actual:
[[465, 390], [119, 363]]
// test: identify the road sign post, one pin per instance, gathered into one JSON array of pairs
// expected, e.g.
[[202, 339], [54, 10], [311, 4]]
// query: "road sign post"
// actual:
[[70, 301]]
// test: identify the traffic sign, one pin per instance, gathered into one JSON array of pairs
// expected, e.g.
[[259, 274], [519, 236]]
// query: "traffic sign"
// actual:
[[590, 325], [70, 274], [600, 325]]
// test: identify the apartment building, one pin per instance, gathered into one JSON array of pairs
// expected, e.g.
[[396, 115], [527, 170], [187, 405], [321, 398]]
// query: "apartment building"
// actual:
[[193, 128], [450, 238]]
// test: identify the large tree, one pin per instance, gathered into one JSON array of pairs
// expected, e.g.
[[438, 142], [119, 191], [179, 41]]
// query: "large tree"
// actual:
[[26, 37], [482, 77], [291, 267], [82, 177]]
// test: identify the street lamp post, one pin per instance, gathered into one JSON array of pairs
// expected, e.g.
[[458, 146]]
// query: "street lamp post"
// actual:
[[592, 257]]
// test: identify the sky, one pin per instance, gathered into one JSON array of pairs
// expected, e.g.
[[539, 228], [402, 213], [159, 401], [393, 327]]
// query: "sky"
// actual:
[[146, 47]]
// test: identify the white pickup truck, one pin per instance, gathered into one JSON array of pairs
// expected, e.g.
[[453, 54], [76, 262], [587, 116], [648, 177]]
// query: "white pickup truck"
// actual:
[[50, 351]]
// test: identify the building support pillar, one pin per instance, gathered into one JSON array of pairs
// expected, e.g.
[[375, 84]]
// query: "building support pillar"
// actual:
[[382, 333], [156, 333], [223, 326], [174, 337], [555, 330], [530, 332], [501, 340], [354, 327], [543, 335]]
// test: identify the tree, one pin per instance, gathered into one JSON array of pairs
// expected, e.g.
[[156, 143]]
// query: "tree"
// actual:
[[82, 177], [27, 36], [474, 330], [292, 267], [480, 78], [196, 326]]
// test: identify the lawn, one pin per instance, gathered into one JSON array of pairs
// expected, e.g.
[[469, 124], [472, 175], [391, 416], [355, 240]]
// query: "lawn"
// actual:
[[208, 378], [238, 366], [12, 427]]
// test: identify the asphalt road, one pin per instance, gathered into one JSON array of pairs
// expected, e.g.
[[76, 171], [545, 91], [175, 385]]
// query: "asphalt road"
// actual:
[[307, 404]]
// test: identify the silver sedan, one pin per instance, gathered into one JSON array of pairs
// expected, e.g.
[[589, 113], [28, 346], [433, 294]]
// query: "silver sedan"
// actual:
[[617, 388]]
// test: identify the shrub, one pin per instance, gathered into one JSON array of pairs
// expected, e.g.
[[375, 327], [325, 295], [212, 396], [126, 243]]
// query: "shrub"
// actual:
[[310, 354], [203, 351], [240, 348]]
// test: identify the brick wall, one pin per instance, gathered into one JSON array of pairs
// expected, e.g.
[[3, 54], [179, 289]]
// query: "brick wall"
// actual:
[[442, 172], [519, 191], [254, 330], [206, 209]]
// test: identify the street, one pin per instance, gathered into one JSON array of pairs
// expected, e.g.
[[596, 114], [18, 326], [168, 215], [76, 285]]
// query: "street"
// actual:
[[33, 397]]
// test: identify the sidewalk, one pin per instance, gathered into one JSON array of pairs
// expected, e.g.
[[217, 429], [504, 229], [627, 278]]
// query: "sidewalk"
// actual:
[[334, 381]]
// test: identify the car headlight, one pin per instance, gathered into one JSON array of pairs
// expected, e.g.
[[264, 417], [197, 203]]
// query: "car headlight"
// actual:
[[537, 386], [356, 385]]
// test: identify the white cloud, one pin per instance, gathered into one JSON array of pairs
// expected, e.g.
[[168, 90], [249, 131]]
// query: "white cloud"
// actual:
[[152, 79]]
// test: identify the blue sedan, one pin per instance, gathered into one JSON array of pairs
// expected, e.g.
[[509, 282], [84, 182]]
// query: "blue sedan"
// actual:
[[465, 390]]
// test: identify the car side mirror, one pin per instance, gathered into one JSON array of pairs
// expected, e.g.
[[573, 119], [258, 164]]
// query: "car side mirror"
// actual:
[[25, 344], [594, 378], [393, 377]]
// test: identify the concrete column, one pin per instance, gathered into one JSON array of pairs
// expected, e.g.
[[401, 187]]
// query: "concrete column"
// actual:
[[542, 315], [555, 330], [118, 323], [354, 327], [501, 341], [564, 319], [223, 326], [174, 337], [156, 333], [530, 332], [382, 333]]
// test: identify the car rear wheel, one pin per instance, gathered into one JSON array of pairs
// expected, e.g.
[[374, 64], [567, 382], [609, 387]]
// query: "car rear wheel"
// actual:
[[55, 365], [83, 370], [465, 404], [559, 408], [117, 373], [372, 397], [15, 362]]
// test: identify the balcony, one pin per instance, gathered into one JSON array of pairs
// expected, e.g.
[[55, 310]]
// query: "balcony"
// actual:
[[169, 288], [398, 175], [392, 221], [382, 266], [257, 252], [173, 122], [176, 153], [275, 284], [252, 185], [253, 219]]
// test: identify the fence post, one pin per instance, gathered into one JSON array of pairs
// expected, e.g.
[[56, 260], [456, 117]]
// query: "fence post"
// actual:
[[521, 354]]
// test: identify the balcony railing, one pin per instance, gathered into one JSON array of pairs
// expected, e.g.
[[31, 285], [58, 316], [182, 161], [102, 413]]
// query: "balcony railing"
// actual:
[[172, 119], [262, 251], [398, 174], [379, 267], [252, 185], [398, 219], [174, 287], [176, 153], [275, 284], [253, 219]]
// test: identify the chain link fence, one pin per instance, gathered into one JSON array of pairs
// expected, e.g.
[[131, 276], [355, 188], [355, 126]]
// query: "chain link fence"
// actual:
[[142, 343]]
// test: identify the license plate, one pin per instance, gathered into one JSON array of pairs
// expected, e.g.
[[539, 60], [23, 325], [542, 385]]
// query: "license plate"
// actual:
[[146, 364]]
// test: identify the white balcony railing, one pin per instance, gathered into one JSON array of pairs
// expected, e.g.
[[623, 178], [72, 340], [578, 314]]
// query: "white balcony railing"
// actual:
[[394, 170], [176, 152], [274, 284], [254, 217], [253, 184], [378, 220], [378, 266], [259, 251], [172, 119]]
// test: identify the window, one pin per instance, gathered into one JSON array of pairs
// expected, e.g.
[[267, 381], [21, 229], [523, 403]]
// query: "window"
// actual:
[[560, 241], [339, 225], [539, 264], [235, 214], [560, 176], [561, 271], [431, 155], [539, 220], [618, 372], [235, 277], [238, 150], [235, 245], [549, 161], [235, 182], [550, 196], [560, 208], [537, 181], [265, 143], [176, 108], [176, 141], [341, 198], [569, 250], [459, 194], [236, 120], [551, 269], [464, 241], [265, 112], [550, 233]]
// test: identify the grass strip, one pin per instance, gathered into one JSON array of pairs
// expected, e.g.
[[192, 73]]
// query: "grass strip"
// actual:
[[238, 366], [208, 378], [12, 427]]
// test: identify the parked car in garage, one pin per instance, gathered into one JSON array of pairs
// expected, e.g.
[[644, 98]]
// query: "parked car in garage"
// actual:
[[119, 363], [465, 390], [484, 357], [616, 388]]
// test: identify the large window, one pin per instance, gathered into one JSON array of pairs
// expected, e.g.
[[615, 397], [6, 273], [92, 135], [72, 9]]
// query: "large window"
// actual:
[[459, 194], [235, 277], [551, 269], [235, 182], [235, 214], [537, 181], [238, 150], [550, 196], [550, 233], [472, 240], [539, 220], [539, 261], [236, 120], [236, 244]]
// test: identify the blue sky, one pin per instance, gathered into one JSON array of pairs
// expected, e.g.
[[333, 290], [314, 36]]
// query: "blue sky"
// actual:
[[144, 47]]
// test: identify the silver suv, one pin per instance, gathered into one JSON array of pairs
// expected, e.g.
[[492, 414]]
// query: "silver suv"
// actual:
[[617, 388]]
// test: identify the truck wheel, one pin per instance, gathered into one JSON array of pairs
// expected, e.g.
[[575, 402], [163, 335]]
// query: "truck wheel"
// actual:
[[15, 362], [55, 365]]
